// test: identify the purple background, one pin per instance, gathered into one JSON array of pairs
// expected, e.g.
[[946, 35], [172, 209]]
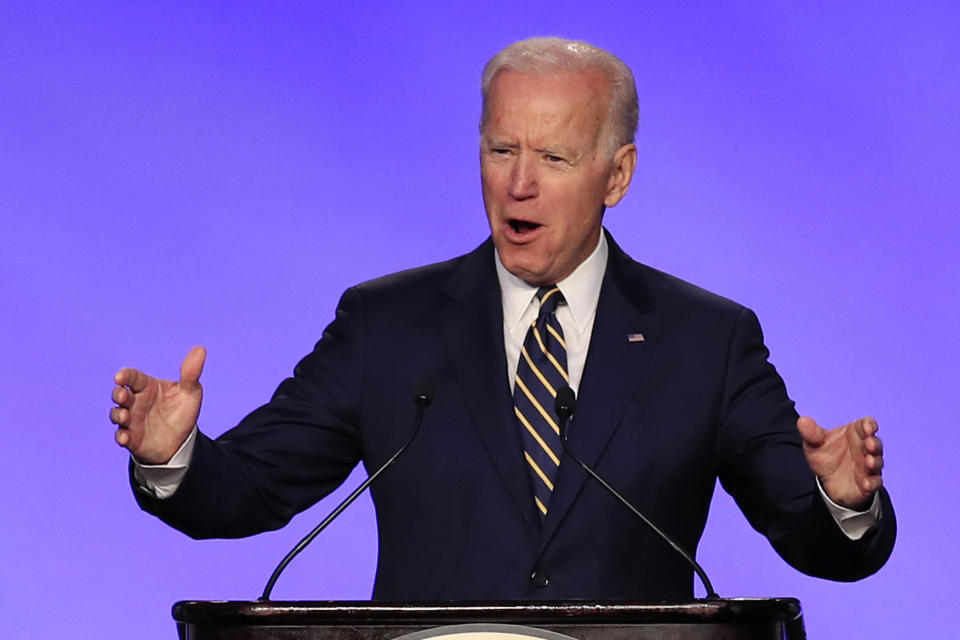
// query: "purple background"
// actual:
[[175, 174]]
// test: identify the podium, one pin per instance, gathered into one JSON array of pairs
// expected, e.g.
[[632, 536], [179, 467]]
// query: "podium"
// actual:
[[721, 619]]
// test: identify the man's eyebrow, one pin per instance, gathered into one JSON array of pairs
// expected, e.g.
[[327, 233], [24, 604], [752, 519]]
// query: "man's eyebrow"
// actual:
[[499, 142], [557, 149]]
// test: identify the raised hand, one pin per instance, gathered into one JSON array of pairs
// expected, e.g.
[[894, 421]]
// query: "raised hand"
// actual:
[[848, 460], [154, 416]]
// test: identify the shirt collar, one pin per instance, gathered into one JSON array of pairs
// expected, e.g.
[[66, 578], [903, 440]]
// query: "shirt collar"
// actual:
[[581, 289]]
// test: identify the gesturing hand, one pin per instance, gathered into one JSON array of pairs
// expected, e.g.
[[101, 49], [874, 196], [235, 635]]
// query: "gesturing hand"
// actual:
[[153, 416], [848, 460]]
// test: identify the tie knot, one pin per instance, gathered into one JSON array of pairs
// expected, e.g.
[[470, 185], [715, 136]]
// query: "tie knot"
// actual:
[[549, 298]]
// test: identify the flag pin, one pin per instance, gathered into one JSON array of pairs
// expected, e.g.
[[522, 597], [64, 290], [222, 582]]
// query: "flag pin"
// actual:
[[635, 337]]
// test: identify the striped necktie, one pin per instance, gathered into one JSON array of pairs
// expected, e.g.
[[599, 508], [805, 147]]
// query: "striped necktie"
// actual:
[[542, 370]]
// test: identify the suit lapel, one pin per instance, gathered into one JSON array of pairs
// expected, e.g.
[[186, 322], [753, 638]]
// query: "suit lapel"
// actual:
[[471, 326], [615, 367]]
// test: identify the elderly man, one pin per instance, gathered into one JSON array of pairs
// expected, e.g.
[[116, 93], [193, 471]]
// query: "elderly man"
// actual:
[[673, 384]]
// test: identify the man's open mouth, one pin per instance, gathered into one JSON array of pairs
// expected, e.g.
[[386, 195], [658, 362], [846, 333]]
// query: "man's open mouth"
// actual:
[[523, 226]]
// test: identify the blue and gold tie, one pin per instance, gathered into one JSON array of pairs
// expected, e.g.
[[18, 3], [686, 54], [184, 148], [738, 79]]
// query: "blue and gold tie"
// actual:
[[542, 370]]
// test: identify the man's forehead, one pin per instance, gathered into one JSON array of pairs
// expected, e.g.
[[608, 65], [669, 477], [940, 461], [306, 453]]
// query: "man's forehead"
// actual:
[[555, 97]]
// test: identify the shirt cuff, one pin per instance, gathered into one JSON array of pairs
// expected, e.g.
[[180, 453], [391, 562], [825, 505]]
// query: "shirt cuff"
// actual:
[[162, 480], [853, 523]]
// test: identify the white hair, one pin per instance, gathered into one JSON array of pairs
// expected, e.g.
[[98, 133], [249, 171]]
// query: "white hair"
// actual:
[[554, 55]]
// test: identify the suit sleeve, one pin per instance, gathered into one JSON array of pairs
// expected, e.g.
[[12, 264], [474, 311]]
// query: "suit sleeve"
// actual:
[[761, 464], [284, 456]]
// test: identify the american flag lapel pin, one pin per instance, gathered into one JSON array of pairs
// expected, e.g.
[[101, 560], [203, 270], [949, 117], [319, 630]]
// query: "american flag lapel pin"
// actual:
[[635, 337]]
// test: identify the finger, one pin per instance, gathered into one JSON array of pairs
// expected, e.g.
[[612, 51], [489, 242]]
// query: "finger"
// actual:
[[865, 427], [122, 436], [813, 435], [859, 436], [858, 429], [873, 464], [871, 484], [192, 367], [119, 416], [122, 396], [873, 446], [134, 379]]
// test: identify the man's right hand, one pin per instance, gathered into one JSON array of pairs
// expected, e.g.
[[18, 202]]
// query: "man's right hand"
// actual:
[[154, 417]]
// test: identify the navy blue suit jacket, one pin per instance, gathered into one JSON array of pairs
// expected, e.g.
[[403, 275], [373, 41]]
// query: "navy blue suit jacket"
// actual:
[[661, 419]]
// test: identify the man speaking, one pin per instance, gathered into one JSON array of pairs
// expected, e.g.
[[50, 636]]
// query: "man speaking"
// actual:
[[673, 391]]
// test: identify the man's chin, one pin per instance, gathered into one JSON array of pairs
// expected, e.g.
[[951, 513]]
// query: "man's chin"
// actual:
[[528, 273], [524, 261]]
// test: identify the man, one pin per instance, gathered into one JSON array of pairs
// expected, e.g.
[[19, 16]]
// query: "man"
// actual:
[[674, 390]]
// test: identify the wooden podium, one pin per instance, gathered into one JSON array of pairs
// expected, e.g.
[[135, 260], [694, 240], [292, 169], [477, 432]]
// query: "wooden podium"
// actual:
[[727, 619]]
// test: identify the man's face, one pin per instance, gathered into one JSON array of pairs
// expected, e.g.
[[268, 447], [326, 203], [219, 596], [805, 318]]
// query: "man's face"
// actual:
[[546, 176]]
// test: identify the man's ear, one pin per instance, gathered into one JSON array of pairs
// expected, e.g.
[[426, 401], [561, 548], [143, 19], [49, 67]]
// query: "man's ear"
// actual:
[[621, 173]]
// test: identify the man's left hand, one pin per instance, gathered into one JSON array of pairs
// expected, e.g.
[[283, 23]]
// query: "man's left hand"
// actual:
[[848, 460]]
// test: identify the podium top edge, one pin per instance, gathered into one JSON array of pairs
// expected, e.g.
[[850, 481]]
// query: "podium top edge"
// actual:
[[338, 612]]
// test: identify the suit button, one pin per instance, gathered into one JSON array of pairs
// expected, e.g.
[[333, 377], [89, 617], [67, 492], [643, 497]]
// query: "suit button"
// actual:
[[539, 579]]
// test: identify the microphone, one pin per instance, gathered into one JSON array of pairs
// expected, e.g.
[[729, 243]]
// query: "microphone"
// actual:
[[565, 406], [422, 396]]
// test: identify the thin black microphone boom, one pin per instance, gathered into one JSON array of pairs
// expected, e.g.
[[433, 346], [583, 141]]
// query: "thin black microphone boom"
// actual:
[[422, 396], [565, 406]]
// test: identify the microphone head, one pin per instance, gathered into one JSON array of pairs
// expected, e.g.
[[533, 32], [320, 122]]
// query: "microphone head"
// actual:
[[424, 391], [566, 402]]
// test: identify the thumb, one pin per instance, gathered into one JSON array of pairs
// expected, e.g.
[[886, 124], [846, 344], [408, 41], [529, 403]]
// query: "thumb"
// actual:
[[192, 367], [813, 434]]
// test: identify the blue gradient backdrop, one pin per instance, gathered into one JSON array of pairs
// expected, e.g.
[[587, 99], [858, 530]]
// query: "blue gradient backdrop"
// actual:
[[213, 173]]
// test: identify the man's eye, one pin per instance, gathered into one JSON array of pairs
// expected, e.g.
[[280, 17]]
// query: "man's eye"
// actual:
[[553, 158]]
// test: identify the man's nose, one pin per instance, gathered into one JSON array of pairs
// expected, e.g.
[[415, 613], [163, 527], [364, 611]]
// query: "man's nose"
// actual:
[[523, 178]]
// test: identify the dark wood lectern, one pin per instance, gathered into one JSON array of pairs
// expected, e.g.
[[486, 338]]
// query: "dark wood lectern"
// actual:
[[728, 619]]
